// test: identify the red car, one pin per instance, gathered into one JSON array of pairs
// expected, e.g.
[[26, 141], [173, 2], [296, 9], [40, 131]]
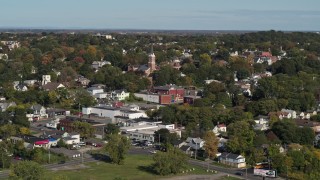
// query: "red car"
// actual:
[[98, 145], [18, 158]]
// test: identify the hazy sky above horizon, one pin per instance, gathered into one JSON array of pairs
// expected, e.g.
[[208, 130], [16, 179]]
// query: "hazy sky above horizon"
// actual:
[[162, 14]]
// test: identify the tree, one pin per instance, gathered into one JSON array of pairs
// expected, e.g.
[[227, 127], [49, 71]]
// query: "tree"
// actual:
[[117, 148], [7, 131], [210, 144], [165, 136], [5, 160], [241, 136], [112, 129], [85, 129], [27, 170], [84, 98], [171, 162]]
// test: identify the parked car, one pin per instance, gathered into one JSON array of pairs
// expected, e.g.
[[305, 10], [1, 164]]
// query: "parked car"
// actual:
[[81, 143], [98, 145], [134, 143], [18, 158], [239, 173]]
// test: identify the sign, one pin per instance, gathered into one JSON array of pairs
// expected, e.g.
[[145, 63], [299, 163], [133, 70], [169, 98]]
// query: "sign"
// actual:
[[265, 172]]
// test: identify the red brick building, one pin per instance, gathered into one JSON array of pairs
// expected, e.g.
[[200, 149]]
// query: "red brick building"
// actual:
[[169, 94]]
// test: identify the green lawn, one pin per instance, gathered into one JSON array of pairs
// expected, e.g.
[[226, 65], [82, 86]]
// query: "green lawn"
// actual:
[[136, 167], [228, 178]]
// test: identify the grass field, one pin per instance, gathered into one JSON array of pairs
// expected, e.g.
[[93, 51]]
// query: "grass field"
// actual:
[[136, 167], [228, 178]]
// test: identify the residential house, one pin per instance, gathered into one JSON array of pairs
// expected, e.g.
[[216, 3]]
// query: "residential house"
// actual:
[[187, 150], [266, 146], [5, 105], [82, 81], [195, 143], [222, 142], [260, 127], [51, 86], [20, 87], [234, 160], [293, 114], [95, 90], [280, 115], [99, 64], [31, 82], [71, 138], [2, 98], [53, 112], [39, 111], [220, 128], [176, 64], [32, 141], [179, 143], [307, 123], [312, 112], [261, 119], [120, 95], [190, 99]]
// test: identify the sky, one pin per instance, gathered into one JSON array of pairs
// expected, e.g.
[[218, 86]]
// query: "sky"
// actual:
[[286, 15]]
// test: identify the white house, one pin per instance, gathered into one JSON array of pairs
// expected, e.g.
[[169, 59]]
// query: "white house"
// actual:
[[293, 114], [31, 82], [5, 105], [71, 138], [195, 143], [99, 64], [39, 111], [94, 90], [234, 160], [120, 95], [102, 95], [20, 87], [220, 128]]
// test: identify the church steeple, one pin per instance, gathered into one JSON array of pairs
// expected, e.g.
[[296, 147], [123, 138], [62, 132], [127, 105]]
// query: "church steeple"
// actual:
[[152, 60], [151, 51]]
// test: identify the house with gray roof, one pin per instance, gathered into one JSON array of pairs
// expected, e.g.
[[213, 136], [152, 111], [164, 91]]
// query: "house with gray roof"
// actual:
[[5, 105], [234, 160]]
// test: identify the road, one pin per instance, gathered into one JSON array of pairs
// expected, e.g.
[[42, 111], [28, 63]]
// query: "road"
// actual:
[[139, 150]]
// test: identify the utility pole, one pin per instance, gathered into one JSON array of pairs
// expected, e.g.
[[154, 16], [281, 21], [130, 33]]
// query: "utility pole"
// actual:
[[195, 155], [82, 157], [49, 155], [246, 172]]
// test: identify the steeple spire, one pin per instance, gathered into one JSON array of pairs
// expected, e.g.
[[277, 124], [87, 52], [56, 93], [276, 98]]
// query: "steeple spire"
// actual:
[[151, 51]]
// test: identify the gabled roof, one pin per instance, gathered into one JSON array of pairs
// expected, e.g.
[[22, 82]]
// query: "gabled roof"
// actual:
[[178, 142], [143, 67], [221, 125], [230, 156], [51, 86], [36, 107], [185, 148]]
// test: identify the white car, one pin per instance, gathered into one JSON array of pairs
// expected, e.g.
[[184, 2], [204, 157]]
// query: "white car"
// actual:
[[81, 143]]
